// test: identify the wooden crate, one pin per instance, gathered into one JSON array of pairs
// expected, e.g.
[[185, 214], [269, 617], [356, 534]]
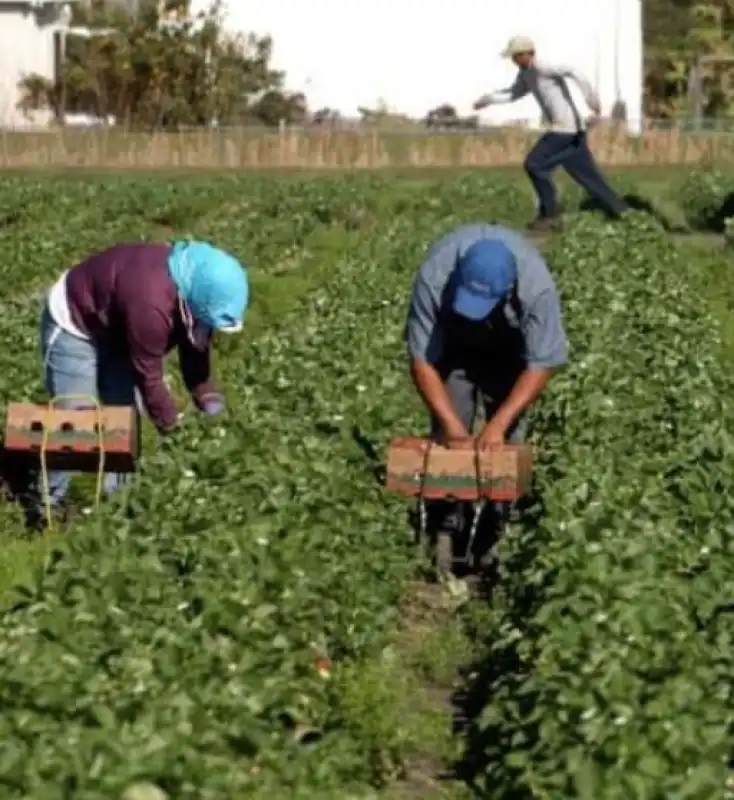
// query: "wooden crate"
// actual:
[[419, 467], [73, 437]]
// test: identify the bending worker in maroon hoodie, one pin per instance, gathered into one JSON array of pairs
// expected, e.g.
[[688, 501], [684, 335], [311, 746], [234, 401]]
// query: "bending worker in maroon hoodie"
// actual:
[[109, 322]]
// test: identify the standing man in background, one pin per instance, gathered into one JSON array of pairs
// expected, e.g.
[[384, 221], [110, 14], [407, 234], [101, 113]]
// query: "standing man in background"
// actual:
[[565, 144]]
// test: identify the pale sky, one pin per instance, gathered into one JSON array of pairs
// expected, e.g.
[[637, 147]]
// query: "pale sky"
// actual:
[[416, 54]]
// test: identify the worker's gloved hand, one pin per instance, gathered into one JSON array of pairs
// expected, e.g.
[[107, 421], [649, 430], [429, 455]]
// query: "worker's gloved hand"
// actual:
[[167, 432], [211, 404]]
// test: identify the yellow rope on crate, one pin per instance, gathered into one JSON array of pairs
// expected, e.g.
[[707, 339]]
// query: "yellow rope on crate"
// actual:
[[79, 398]]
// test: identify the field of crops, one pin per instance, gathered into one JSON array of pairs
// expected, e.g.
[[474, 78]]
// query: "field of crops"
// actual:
[[238, 624]]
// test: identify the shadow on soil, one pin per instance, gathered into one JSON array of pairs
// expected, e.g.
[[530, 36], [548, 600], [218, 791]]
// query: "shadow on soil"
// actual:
[[716, 221], [636, 203], [478, 678], [369, 451], [485, 670], [484, 745]]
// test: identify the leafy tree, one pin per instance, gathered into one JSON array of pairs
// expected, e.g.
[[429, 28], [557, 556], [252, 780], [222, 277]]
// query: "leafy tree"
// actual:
[[276, 105], [326, 116], [164, 69], [383, 117], [446, 116], [677, 34], [443, 116]]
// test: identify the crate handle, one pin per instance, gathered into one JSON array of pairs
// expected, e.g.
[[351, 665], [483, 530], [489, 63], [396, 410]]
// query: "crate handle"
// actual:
[[99, 429], [478, 508]]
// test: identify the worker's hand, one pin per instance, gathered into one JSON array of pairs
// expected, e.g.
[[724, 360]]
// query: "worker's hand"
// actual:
[[494, 434], [455, 436], [484, 101], [169, 436], [212, 404]]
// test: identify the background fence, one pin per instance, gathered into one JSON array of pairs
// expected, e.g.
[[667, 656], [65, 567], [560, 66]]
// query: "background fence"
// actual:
[[345, 146]]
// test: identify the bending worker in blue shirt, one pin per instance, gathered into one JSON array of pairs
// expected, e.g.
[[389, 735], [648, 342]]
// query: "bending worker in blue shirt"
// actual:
[[484, 324]]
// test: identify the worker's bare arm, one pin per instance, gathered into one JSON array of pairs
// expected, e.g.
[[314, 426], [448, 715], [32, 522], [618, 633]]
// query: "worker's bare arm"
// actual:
[[433, 392], [546, 351], [424, 333], [527, 389]]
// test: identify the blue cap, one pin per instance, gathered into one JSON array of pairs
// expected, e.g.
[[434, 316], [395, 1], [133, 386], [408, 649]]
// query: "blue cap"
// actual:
[[484, 277]]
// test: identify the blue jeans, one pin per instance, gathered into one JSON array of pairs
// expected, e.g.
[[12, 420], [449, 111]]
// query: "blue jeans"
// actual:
[[570, 151], [74, 366]]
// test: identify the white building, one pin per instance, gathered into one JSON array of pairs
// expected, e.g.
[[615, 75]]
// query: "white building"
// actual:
[[30, 42], [419, 54]]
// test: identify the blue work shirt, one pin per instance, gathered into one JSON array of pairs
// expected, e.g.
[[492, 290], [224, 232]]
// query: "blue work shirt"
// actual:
[[528, 328]]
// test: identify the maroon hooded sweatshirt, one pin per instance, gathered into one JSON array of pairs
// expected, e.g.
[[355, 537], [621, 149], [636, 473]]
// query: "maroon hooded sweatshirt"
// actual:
[[125, 300]]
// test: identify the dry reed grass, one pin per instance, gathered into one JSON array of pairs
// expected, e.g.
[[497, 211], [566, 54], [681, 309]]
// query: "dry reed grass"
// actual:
[[338, 149]]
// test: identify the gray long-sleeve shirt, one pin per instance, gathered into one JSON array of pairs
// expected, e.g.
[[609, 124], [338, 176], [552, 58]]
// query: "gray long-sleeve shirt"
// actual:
[[548, 84], [532, 318]]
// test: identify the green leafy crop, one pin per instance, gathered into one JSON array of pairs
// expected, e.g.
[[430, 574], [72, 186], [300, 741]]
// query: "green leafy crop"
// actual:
[[217, 632], [203, 634], [609, 663]]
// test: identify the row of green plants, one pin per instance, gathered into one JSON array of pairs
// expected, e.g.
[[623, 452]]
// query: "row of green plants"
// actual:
[[215, 632], [607, 671]]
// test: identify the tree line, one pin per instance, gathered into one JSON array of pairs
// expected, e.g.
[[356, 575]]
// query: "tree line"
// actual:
[[159, 68], [684, 40], [162, 68]]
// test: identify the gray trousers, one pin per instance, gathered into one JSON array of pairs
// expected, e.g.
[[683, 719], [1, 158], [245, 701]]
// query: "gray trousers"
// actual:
[[471, 391]]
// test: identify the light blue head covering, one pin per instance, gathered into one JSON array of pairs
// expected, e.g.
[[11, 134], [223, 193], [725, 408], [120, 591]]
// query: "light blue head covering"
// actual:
[[212, 283]]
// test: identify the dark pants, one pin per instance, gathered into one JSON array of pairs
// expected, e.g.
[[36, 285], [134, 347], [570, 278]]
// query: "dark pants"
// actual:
[[468, 389], [570, 151]]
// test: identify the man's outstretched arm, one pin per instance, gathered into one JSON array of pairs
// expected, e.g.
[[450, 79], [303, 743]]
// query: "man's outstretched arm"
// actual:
[[508, 95]]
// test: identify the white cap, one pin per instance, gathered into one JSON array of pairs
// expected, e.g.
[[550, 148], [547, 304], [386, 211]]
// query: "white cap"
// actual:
[[518, 44]]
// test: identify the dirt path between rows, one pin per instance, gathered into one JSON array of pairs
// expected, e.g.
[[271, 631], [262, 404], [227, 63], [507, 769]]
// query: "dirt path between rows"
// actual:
[[437, 651]]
